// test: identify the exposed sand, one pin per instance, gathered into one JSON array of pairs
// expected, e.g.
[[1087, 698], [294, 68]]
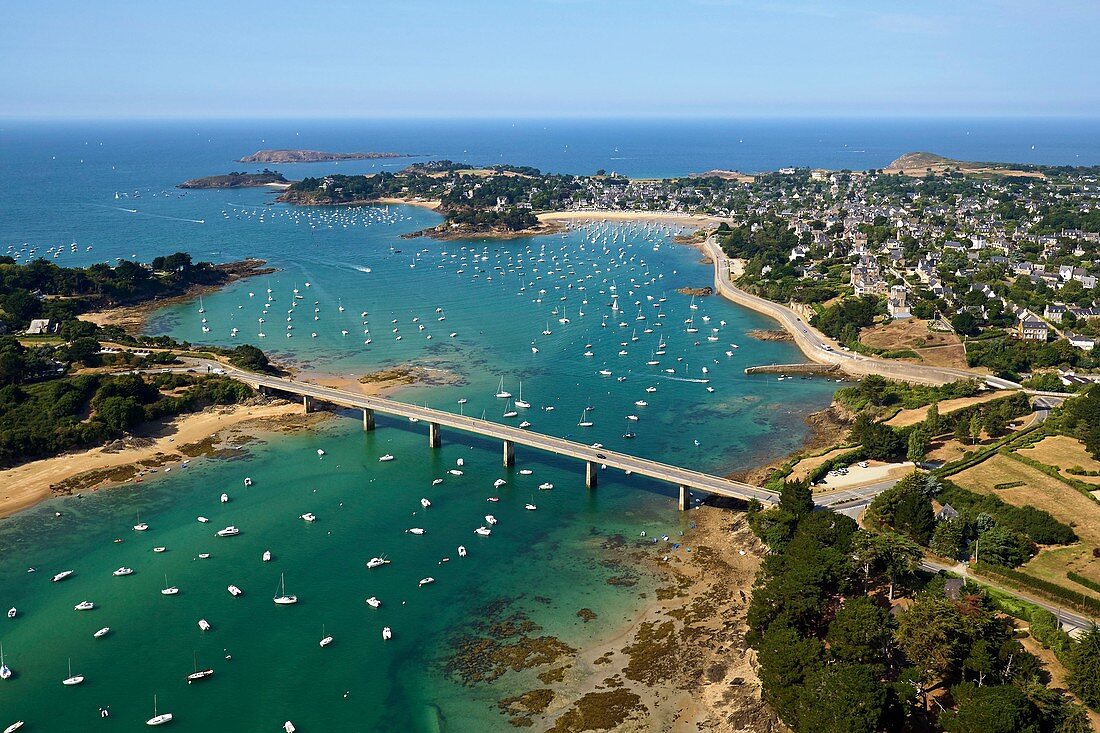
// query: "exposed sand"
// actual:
[[876, 471], [425, 203], [26, 485], [658, 217]]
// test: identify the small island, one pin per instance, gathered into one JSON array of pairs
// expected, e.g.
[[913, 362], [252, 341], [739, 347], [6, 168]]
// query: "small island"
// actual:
[[313, 156], [237, 180]]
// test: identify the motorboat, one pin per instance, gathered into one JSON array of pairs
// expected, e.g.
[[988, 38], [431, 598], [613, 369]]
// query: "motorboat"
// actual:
[[490, 519], [461, 551], [234, 591], [425, 581], [161, 548], [14, 727], [525, 472], [229, 531], [61, 576], [204, 555], [415, 530], [247, 481], [266, 556], [203, 520], [373, 602], [385, 458], [425, 503], [387, 633], [309, 517], [455, 472], [498, 483], [225, 498], [204, 625], [84, 606], [546, 486], [376, 562], [102, 632], [483, 531], [288, 727], [530, 507], [123, 571]]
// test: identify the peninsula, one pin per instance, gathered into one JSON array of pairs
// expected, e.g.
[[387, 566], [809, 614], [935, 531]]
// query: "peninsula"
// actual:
[[237, 180], [314, 156]]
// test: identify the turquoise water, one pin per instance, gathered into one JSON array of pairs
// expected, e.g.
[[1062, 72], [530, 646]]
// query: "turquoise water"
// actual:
[[547, 563]]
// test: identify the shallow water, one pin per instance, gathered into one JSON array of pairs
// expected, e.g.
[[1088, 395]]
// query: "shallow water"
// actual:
[[546, 563]]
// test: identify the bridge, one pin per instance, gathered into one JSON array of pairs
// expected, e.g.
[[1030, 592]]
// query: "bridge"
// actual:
[[436, 420]]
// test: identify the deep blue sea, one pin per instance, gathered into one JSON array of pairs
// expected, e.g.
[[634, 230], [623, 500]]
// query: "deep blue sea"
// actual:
[[606, 290]]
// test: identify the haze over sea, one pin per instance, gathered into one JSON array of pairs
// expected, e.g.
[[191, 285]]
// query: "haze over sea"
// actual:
[[61, 186]]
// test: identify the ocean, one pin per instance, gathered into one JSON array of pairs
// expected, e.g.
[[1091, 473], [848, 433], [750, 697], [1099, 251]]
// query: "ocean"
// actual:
[[110, 188]]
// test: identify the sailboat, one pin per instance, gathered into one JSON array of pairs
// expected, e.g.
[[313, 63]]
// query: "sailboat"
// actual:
[[169, 590], [585, 422], [198, 674], [201, 308], [521, 402], [5, 670], [510, 411], [158, 719], [501, 393], [325, 638], [282, 599]]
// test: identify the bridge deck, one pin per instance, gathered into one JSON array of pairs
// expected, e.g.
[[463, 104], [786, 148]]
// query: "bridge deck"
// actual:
[[613, 459]]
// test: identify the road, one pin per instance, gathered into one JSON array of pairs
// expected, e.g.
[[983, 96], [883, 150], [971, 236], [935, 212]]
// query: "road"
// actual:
[[1070, 621]]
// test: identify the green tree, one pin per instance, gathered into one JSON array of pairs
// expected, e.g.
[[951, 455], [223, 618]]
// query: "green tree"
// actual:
[[886, 554], [843, 698], [918, 445], [84, 350], [932, 634], [914, 517], [932, 420], [1084, 668], [949, 538], [249, 357], [120, 413], [861, 632], [786, 659], [996, 709]]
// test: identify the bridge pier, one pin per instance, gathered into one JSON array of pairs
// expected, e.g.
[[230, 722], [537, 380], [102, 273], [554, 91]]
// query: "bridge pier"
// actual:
[[509, 453], [368, 419], [434, 437], [590, 476], [307, 403], [685, 498]]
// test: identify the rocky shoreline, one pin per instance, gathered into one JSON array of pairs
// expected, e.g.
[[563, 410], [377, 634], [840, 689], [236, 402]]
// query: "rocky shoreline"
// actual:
[[680, 663], [448, 232]]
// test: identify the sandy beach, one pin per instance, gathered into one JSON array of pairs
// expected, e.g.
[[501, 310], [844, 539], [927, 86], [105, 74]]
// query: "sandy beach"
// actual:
[[157, 445], [656, 217]]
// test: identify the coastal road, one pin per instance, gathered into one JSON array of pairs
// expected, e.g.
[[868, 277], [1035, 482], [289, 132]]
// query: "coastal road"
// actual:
[[1070, 621], [821, 349]]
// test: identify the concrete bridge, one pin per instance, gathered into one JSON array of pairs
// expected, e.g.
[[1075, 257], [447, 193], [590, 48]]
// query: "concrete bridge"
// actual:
[[437, 420]]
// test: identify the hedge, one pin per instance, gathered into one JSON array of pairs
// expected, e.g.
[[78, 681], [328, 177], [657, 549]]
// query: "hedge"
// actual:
[[1046, 588], [1088, 583]]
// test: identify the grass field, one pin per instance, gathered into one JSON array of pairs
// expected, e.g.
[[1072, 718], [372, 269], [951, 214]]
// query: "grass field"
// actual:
[[912, 417], [933, 347], [1062, 452], [1048, 493]]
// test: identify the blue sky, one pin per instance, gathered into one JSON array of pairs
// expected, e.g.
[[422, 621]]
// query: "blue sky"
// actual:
[[534, 58]]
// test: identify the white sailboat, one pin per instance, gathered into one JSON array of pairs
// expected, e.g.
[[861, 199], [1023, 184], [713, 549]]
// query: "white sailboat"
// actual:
[[325, 638], [521, 402], [72, 679], [584, 422], [501, 392], [5, 670], [158, 718], [282, 599]]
